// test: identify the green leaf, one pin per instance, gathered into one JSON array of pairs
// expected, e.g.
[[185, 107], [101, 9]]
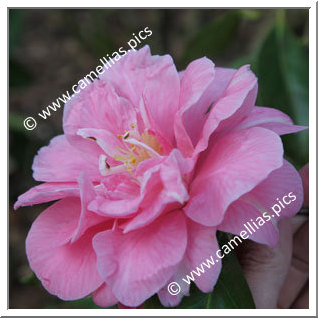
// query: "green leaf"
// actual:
[[214, 38], [196, 300], [153, 303], [250, 15], [16, 123], [230, 292], [30, 279], [282, 68]]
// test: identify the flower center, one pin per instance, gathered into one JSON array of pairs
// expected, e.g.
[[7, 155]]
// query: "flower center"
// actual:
[[134, 149]]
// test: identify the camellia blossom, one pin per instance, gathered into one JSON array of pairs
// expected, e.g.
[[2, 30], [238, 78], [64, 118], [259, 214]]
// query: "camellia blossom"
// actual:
[[151, 164]]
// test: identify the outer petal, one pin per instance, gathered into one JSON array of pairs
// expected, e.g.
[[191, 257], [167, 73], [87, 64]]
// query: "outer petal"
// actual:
[[60, 162], [277, 187], [66, 270], [169, 300], [233, 166], [197, 77], [154, 80], [161, 96], [138, 264], [221, 80], [270, 118], [202, 244], [87, 218], [128, 75], [241, 212], [188, 122], [97, 107], [104, 296], [209, 84], [236, 102], [47, 192]]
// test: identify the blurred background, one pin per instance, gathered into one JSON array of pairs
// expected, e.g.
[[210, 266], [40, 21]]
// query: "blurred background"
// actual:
[[50, 50]]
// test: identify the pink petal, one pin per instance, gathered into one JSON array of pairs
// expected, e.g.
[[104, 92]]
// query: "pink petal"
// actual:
[[188, 122], [148, 165], [47, 192], [184, 142], [106, 140], [96, 107], [154, 202], [209, 83], [161, 94], [236, 102], [65, 270], [181, 74], [87, 219], [197, 77], [60, 162], [270, 118], [233, 165], [104, 297], [121, 306], [162, 189], [154, 80], [115, 208], [118, 197], [281, 184], [138, 264], [129, 75], [202, 244], [165, 297], [149, 123], [221, 80], [236, 220]]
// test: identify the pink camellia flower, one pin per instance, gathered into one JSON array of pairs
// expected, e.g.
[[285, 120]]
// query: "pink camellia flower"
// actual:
[[152, 162]]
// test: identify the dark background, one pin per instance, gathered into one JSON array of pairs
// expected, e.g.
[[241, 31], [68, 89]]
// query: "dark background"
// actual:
[[50, 50]]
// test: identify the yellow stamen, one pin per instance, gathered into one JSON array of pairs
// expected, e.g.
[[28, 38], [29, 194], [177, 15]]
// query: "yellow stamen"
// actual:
[[137, 149]]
